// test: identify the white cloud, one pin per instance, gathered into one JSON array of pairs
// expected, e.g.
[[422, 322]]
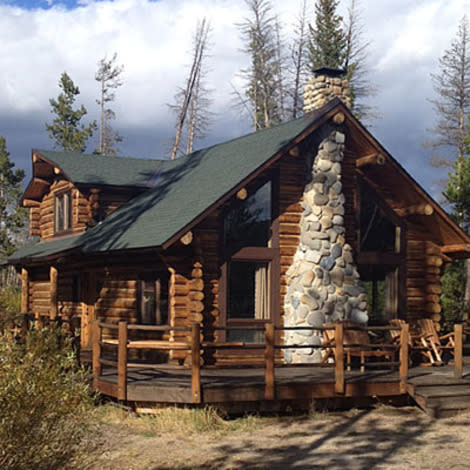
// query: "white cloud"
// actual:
[[153, 40]]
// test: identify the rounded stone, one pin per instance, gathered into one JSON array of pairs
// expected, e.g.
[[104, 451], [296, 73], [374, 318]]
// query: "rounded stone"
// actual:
[[308, 278], [326, 222], [317, 210], [337, 187], [359, 316], [307, 300], [316, 319], [324, 165], [338, 220], [327, 263], [336, 250], [313, 256], [302, 312], [336, 168], [320, 199], [337, 276]]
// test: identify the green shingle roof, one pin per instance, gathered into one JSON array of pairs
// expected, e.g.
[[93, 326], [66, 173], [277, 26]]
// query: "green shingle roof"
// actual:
[[107, 170], [182, 189], [44, 249]]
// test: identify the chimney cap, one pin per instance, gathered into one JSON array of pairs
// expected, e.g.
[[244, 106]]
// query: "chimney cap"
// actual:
[[329, 72]]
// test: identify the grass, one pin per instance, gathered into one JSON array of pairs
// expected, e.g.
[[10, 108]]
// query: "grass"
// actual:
[[179, 421]]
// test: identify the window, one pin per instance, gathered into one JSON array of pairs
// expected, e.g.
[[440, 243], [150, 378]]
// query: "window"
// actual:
[[378, 232], [249, 272], [153, 300], [63, 212]]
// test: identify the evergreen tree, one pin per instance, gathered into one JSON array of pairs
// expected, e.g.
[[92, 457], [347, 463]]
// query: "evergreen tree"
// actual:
[[12, 216], [327, 44], [109, 78], [66, 130], [262, 76]]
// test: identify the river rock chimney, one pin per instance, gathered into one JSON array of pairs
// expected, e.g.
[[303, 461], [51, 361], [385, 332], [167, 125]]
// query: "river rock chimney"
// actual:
[[325, 85]]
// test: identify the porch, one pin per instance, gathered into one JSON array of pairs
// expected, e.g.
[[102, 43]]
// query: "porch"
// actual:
[[273, 384]]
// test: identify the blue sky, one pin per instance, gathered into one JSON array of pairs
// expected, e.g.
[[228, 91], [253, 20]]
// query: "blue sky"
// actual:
[[41, 39]]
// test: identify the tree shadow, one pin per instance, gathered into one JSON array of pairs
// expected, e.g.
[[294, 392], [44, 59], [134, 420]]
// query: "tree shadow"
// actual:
[[362, 441]]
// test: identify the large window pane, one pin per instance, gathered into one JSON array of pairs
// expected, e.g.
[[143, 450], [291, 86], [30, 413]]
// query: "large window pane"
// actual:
[[248, 290], [249, 223], [378, 232]]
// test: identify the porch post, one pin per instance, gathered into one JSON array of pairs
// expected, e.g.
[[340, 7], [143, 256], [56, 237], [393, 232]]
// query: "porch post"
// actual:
[[122, 360], [24, 291], [404, 341], [53, 276], [196, 362], [96, 354], [458, 350], [339, 359], [269, 377]]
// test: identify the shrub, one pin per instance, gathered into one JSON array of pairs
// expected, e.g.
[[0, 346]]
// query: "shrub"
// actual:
[[44, 402], [10, 299]]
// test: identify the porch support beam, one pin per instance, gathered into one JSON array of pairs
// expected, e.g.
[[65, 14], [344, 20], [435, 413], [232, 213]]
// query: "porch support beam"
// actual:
[[24, 290], [53, 277]]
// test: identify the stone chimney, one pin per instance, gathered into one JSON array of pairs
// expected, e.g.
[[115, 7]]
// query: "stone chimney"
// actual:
[[323, 280], [325, 85]]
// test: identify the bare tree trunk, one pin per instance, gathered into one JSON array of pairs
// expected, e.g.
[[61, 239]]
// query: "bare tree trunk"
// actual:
[[191, 84]]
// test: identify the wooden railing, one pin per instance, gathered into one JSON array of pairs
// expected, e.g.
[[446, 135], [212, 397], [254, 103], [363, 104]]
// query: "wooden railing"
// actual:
[[123, 344]]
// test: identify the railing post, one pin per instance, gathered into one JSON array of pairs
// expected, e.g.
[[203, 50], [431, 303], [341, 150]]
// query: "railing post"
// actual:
[[25, 325], [339, 359], [196, 362], [404, 342], [458, 350], [269, 377], [96, 354], [122, 360]]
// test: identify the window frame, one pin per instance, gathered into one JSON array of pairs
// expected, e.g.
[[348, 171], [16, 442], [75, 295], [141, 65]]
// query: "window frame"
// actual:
[[157, 280], [269, 255], [393, 260], [66, 198]]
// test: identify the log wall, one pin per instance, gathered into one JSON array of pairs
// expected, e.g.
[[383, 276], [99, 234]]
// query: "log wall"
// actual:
[[424, 266], [39, 291], [80, 211]]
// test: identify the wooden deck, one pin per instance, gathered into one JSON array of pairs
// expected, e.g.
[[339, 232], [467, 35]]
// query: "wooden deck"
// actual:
[[295, 385]]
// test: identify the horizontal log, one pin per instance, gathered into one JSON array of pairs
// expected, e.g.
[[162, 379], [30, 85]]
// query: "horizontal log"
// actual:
[[433, 308], [196, 295], [417, 209]]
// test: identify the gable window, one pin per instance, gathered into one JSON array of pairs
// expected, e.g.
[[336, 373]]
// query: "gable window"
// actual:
[[381, 257], [251, 264], [63, 212], [153, 299]]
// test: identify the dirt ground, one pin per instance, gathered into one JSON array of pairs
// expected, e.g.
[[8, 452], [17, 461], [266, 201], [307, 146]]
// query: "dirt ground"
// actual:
[[379, 438]]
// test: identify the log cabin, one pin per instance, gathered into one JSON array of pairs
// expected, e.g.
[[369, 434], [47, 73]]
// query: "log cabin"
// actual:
[[297, 225]]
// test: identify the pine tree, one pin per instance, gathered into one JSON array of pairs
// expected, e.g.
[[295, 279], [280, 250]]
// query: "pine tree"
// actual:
[[355, 64], [13, 217], [299, 60], [452, 104], [109, 78], [65, 130], [327, 44], [262, 88]]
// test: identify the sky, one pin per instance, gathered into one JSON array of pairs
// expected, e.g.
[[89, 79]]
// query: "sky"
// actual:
[[40, 39]]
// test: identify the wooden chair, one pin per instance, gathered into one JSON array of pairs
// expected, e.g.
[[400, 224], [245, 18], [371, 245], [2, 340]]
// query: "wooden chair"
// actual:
[[356, 344], [432, 346]]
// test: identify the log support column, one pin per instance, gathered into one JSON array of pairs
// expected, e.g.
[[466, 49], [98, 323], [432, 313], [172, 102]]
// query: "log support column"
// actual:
[[24, 290], [53, 278]]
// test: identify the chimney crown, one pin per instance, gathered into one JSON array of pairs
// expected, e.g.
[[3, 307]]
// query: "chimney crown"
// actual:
[[325, 85]]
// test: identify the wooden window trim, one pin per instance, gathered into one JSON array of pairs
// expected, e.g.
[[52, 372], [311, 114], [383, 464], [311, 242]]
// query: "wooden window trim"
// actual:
[[156, 278], [67, 211], [269, 254]]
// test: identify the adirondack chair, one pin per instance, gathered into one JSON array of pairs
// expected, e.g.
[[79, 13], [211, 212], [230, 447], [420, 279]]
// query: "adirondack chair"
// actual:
[[356, 344], [432, 346]]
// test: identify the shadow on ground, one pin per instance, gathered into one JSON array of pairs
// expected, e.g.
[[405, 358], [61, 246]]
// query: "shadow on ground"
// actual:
[[363, 440]]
